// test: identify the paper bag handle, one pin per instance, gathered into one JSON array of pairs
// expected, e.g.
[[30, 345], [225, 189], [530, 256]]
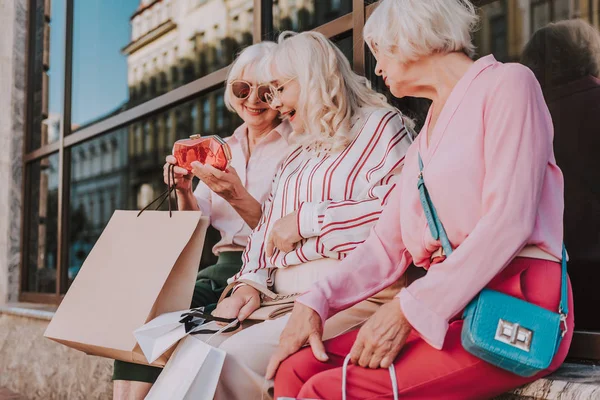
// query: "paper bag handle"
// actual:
[[166, 194], [233, 323], [392, 377]]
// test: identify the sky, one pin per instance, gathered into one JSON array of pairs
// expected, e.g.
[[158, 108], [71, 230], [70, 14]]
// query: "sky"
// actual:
[[101, 29]]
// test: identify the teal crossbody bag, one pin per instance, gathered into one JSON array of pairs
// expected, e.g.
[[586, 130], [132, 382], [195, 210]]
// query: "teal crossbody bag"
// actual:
[[503, 330]]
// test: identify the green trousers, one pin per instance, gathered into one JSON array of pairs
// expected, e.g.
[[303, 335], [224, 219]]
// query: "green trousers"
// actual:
[[210, 283]]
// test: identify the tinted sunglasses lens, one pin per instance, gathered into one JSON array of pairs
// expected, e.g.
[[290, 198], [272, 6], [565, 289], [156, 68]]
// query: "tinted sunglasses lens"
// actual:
[[241, 90], [269, 98], [263, 92]]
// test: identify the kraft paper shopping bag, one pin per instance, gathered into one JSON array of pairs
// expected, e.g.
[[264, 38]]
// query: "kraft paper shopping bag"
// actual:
[[140, 267]]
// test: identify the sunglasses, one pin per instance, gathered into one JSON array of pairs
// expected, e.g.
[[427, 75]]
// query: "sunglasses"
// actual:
[[242, 90], [275, 91]]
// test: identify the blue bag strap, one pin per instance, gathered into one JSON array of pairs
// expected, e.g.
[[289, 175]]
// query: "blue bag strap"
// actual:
[[564, 303], [435, 225], [438, 232]]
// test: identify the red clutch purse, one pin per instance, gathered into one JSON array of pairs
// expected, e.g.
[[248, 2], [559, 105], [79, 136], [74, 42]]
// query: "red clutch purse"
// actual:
[[210, 150]]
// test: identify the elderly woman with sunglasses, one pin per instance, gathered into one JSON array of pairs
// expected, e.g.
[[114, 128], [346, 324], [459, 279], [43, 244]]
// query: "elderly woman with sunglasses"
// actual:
[[329, 192], [232, 199]]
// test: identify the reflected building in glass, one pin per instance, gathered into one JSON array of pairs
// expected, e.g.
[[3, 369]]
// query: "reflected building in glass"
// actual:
[[507, 25], [173, 43]]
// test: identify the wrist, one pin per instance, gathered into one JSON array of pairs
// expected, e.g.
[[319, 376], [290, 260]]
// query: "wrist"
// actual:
[[240, 198], [245, 290], [183, 187]]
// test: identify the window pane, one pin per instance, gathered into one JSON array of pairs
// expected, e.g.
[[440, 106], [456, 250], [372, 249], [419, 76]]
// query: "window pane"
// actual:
[[305, 15], [345, 44], [151, 47], [492, 38], [43, 228], [540, 15], [562, 10], [123, 169], [48, 79]]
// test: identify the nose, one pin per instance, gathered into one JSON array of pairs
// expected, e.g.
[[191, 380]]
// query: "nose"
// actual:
[[378, 69], [253, 97], [275, 104]]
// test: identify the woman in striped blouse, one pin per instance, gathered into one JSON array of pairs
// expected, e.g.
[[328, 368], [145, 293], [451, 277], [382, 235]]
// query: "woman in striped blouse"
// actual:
[[325, 199]]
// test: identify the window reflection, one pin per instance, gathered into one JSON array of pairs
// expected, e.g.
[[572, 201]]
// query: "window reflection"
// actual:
[[48, 82], [106, 174], [304, 15], [43, 227], [151, 48]]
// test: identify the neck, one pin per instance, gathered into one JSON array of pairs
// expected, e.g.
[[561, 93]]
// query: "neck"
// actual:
[[441, 73], [257, 132]]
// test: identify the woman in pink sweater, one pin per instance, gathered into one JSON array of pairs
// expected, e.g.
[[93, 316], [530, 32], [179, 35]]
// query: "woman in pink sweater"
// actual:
[[490, 170]]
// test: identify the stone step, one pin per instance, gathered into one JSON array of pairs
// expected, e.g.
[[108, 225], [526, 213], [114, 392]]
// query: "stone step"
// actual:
[[6, 394], [571, 382]]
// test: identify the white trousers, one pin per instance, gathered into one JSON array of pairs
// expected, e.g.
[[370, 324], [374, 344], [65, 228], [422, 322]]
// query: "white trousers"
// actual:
[[250, 349]]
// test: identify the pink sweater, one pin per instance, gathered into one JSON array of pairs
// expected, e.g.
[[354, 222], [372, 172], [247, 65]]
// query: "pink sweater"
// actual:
[[491, 174]]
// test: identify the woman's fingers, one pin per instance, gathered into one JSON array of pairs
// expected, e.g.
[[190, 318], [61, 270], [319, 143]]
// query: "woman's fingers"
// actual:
[[317, 347], [270, 247], [252, 305], [303, 325]]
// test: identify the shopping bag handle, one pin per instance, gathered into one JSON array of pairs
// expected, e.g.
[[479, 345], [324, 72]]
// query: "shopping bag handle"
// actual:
[[166, 194], [392, 377], [187, 319]]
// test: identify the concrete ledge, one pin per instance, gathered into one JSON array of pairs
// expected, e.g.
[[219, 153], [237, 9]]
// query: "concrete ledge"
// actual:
[[29, 310], [570, 382], [38, 368]]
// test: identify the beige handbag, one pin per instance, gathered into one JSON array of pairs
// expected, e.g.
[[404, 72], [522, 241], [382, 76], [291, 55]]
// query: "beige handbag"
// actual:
[[272, 305]]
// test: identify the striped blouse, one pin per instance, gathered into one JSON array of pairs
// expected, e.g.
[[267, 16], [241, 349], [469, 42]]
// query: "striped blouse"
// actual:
[[339, 196]]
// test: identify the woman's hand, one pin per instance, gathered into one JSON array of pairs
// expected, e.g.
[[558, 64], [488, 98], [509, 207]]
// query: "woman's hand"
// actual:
[[226, 184], [303, 326], [382, 337], [243, 302], [284, 234], [183, 179]]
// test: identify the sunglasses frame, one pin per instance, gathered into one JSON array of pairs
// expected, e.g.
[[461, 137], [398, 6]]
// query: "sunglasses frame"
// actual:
[[251, 87], [270, 97]]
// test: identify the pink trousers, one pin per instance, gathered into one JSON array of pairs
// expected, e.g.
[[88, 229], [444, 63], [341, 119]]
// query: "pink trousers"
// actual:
[[422, 371]]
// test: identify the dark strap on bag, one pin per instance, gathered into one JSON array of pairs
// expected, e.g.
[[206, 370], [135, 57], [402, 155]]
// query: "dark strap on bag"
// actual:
[[188, 321], [166, 194], [439, 233]]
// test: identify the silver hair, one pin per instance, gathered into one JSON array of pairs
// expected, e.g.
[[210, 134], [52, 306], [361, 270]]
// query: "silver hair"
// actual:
[[249, 58], [331, 94], [410, 29]]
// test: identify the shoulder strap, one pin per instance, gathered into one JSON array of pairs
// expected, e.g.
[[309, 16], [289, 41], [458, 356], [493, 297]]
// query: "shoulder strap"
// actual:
[[438, 232], [435, 225]]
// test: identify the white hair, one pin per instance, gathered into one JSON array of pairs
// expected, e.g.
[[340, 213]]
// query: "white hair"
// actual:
[[410, 29], [331, 94], [249, 58]]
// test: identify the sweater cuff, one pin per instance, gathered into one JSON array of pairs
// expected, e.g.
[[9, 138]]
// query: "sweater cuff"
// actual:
[[317, 302], [430, 326], [308, 220]]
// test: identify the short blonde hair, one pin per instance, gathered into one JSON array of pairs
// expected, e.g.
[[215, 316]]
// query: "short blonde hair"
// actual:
[[563, 52], [331, 94], [250, 57], [410, 29]]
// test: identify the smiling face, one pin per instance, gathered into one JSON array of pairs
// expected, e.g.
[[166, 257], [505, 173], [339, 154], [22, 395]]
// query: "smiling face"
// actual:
[[285, 99], [253, 111]]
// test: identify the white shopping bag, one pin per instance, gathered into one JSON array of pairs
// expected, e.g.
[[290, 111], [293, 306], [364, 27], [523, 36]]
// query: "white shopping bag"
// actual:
[[192, 372], [160, 334]]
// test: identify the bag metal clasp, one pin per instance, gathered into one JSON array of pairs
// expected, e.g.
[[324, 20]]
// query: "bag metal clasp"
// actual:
[[514, 334]]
